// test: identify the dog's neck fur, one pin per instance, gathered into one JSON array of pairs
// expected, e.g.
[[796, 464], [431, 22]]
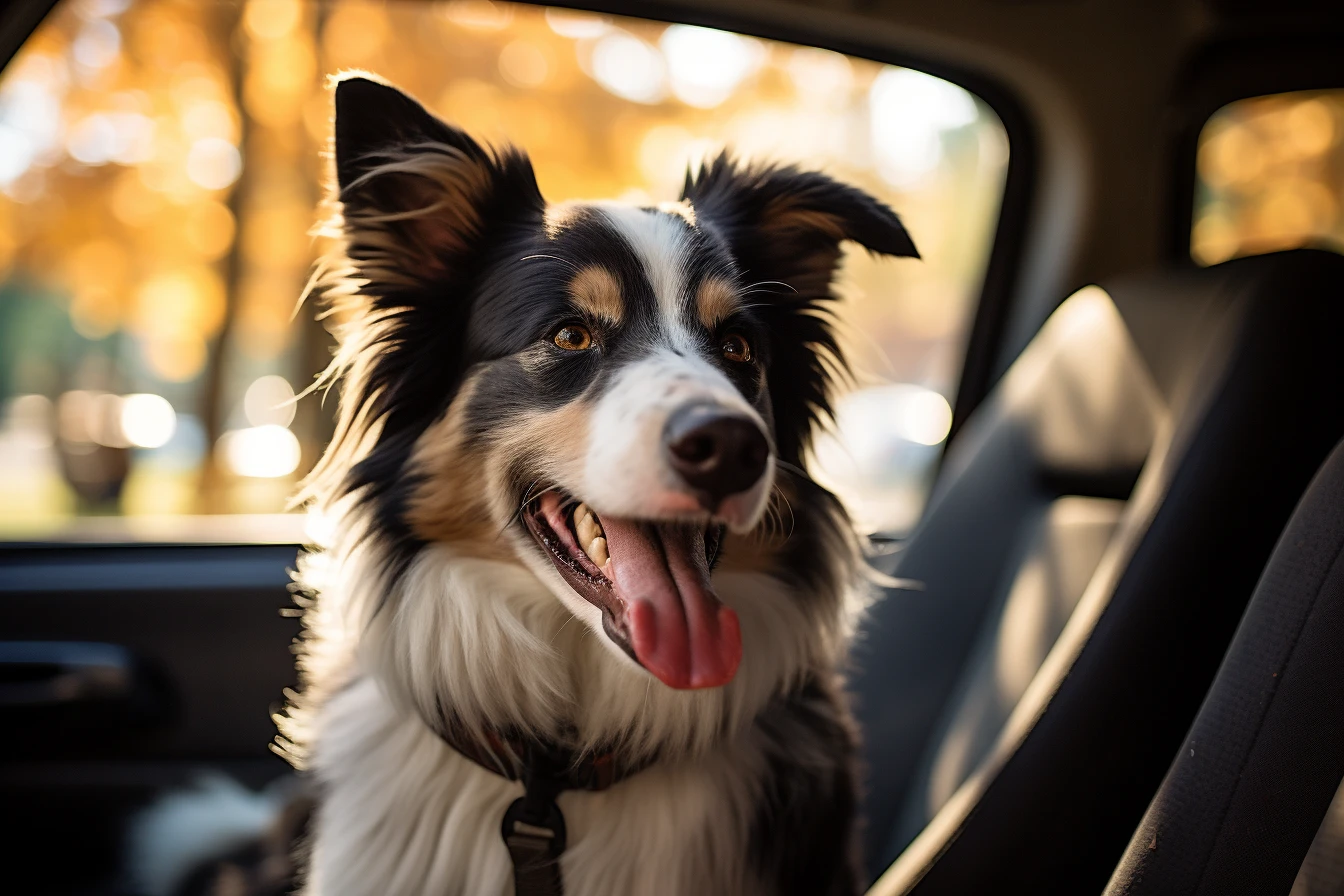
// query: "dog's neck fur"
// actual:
[[401, 811], [485, 641]]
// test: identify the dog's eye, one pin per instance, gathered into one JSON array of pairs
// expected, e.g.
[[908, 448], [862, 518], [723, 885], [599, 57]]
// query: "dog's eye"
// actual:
[[735, 348], [573, 338]]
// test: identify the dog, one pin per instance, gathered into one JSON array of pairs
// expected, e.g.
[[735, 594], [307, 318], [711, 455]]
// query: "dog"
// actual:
[[578, 573]]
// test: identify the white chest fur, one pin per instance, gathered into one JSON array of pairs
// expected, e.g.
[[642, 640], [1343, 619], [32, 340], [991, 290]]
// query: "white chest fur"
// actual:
[[403, 813]]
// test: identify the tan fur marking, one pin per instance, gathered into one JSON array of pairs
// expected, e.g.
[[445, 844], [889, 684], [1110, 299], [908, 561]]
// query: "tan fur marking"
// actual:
[[716, 301], [556, 441], [682, 209], [450, 504], [784, 214], [595, 291], [558, 216], [465, 498], [440, 189]]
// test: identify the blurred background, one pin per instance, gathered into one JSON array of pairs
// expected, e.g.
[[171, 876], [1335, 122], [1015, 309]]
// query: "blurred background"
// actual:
[[1271, 177], [161, 160], [160, 163]]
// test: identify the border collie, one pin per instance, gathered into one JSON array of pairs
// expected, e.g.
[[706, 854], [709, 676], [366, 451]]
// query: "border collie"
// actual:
[[578, 569]]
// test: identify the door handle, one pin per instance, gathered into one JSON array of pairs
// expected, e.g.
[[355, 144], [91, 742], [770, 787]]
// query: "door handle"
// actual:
[[36, 674]]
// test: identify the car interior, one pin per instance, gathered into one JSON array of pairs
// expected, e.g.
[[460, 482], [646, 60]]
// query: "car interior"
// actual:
[[1112, 660]]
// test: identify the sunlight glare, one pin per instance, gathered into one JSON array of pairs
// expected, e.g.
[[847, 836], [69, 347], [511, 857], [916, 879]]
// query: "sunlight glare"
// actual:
[[706, 64], [261, 452], [213, 163], [629, 68], [147, 420], [269, 401], [909, 113]]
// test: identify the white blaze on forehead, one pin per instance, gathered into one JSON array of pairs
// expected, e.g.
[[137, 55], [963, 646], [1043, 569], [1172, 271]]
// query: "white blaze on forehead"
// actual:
[[625, 471], [660, 241]]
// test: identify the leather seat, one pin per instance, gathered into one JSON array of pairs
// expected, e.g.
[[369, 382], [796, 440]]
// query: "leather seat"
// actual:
[[1255, 774], [1098, 528]]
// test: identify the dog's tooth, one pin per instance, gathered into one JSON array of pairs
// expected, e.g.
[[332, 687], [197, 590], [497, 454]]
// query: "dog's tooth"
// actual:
[[586, 527], [597, 552], [582, 511]]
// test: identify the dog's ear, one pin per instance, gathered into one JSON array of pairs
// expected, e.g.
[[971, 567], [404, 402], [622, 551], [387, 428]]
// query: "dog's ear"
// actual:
[[784, 227], [418, 195]]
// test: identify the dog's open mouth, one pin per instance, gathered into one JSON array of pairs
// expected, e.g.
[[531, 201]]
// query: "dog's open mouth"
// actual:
[[651, 582]]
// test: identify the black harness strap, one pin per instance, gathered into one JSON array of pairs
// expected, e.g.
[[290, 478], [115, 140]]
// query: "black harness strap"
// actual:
[[533, 827], [534, 832]]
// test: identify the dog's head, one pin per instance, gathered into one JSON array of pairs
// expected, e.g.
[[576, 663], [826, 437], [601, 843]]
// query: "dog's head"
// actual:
[[599, 392]]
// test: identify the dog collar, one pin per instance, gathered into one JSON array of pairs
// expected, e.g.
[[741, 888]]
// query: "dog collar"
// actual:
[[511, 755], [533, 826]]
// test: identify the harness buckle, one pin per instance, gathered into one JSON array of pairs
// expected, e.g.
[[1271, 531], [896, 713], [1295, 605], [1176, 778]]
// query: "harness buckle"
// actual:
[[534, 833]]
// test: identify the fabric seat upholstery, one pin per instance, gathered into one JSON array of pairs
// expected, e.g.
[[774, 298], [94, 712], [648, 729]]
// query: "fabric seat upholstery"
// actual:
[[1251, 782], [1212, 383]]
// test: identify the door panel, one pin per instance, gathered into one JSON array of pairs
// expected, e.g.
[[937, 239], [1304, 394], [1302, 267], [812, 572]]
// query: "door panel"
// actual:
[[207, 655]]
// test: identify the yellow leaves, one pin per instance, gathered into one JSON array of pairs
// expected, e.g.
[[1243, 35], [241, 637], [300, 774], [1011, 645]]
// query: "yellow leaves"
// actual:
[[174, 313], [209, 229], [1268, 176]]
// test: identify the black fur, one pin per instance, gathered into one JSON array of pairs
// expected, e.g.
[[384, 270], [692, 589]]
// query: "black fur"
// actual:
[[421, 351], [803, 838], [789, 269]]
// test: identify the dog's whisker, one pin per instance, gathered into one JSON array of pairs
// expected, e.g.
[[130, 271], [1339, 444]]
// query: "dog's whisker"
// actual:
[[793, 520], [528, 498], [760, 283], [565, 261], [556, 636]]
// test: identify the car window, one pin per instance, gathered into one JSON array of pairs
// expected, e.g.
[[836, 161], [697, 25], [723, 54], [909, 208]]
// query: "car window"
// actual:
[[1270, 177], [160, 165]]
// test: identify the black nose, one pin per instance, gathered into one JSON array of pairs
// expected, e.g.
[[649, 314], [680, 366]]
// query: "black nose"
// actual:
[[718, 453]]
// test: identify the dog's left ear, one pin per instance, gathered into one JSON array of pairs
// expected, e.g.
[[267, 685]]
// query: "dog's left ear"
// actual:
[[788, 223], [418, 195], [784, 227]]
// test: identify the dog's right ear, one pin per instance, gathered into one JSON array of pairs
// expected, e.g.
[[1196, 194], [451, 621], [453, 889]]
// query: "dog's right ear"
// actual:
[[418, 195]]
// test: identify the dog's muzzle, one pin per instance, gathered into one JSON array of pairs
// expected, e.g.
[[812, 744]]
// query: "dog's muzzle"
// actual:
[[716, 452]]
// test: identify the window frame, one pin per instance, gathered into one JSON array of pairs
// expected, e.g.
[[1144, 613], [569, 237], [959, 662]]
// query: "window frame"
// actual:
[[1223, 73]]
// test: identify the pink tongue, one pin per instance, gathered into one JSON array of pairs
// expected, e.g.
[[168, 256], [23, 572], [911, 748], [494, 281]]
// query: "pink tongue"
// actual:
[[678, 628]]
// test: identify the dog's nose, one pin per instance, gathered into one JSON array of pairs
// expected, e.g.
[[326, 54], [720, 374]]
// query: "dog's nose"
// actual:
[[717, 452]]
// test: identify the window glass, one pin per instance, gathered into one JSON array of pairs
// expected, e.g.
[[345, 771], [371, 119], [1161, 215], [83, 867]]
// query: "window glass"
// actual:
[[160, 163], [1271, 177]]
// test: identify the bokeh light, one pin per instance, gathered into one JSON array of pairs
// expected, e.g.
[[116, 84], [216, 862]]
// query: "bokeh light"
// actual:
[[707, 65], [268, 451], [269, 400], [882, 434], [1271, 176], [523, 64], [213, 163], [629, 68], [147, 421], [909, 112], [579, 25], [161, 164]]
